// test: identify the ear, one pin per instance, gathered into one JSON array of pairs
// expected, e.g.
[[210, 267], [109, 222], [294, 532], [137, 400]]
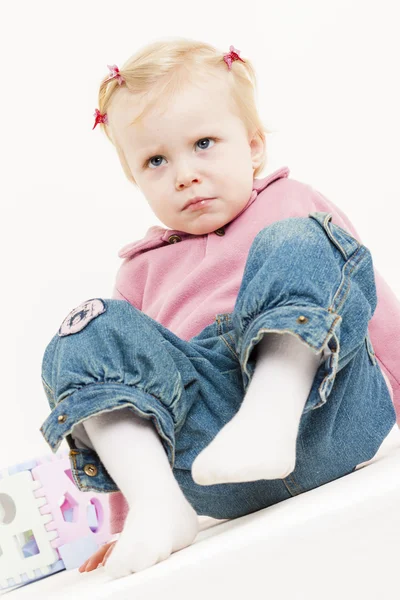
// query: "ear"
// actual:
[[257, 148]]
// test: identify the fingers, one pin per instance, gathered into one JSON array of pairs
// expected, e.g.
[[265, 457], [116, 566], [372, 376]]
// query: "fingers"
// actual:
[[108, 553], [93, 561], [82, 568]]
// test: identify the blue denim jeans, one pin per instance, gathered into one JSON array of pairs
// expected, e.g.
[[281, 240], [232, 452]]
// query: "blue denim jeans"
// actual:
[[305, 276]]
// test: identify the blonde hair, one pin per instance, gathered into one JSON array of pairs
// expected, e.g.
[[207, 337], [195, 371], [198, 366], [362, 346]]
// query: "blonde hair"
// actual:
[[161, 69]]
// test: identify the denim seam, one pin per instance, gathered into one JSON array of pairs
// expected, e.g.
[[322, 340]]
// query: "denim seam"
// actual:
[[228, 345], [329, 233], [48, 387], [349, 266], [219, 325], [220, 322], [49, 394], [331, 373], [292, 485], [76, 468], [370, 351]]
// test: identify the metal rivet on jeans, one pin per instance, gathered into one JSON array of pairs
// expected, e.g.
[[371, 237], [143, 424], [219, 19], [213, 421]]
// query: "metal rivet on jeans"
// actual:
[[302, 319], [62, 418], [90, 470]]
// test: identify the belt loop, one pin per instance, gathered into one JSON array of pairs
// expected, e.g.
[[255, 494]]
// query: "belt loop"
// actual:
[[223, 323]]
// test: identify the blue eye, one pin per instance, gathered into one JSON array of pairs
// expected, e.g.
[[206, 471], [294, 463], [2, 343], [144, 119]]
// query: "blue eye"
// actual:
[[150, 159], [202, 140], [148, 162]]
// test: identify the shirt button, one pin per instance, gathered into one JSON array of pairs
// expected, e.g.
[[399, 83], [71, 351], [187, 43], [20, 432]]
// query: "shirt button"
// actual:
[[90, 470], [62, 418], [220, 231], [302, 319], [174, 238]]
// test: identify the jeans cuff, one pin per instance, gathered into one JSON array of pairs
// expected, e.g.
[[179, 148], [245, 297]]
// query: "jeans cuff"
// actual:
[[95, 399], [313, 325]]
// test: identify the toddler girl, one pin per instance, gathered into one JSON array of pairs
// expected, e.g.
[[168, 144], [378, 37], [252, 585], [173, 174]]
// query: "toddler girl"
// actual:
[[244, 357]]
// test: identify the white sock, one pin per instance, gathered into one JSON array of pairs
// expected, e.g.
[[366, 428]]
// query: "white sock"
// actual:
[[160, 520], [260, 441], [284, 374]]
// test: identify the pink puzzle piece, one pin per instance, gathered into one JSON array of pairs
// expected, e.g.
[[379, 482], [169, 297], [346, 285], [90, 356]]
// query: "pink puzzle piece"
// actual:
[[74, 519]]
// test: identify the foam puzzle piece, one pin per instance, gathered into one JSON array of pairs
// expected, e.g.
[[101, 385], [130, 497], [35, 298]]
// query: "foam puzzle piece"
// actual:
[[45, 518], [57, 482], [31, 548], [23, 515], [24, 580], [25, 466], [75, 553], [91, 517]]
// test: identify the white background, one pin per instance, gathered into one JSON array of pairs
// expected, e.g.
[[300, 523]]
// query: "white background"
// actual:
[[328, 85]]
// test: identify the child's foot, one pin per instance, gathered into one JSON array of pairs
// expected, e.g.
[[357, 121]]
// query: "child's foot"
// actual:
[[153, 530], [260, 441], [160, 519], [244, 451]]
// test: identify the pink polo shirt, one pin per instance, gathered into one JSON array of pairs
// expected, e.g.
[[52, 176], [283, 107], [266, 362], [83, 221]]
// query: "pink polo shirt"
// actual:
[[183, 280]]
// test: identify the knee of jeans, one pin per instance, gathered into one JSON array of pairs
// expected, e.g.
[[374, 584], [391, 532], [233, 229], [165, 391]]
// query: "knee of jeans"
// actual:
[[87, 341], [293, 231]]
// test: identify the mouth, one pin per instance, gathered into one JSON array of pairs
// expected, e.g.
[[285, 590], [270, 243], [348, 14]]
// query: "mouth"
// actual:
[[197, 203]]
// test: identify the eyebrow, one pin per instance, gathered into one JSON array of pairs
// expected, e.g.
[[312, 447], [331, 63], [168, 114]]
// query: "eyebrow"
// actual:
[[151, 150]]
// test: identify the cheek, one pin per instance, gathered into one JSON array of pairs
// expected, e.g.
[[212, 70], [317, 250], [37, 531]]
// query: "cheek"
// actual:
[[236, 161], [161, 206], [236, 175]]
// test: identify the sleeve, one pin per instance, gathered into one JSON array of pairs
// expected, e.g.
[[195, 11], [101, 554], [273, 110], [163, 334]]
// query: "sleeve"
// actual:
[[384, 326], [116, 294], [130, 282]]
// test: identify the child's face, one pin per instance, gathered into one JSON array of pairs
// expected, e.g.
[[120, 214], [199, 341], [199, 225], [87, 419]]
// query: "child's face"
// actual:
[[198, 147]]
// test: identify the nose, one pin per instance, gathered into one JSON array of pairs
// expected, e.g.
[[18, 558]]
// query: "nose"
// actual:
[[185, 180]]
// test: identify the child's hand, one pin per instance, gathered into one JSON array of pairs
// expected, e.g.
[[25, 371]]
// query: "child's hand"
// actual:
[[99, 557]]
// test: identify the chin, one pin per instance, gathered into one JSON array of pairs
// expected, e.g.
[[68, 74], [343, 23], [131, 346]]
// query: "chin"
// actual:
[[203, 229]]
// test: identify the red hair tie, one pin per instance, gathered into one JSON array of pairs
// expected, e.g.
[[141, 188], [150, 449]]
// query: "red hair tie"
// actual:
[[114, 74], [99, 118], [231, 56]]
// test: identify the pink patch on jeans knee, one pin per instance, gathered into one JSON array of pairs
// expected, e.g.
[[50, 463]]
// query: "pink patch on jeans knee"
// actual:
[[80, 316]]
